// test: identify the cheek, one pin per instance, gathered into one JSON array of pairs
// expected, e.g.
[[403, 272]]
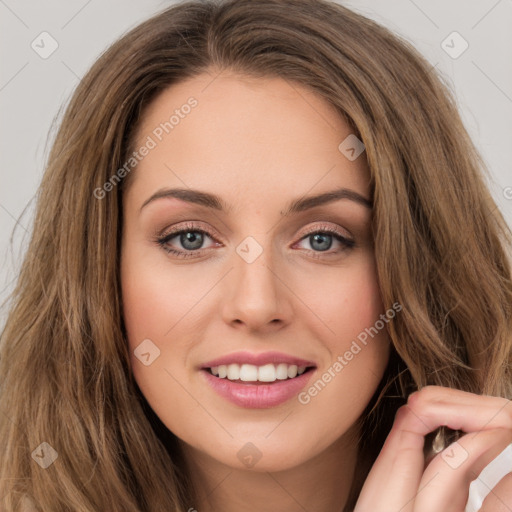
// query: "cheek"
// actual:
[[355, 336], [155, 305], [155, 296], [343, 302], [161, 303]]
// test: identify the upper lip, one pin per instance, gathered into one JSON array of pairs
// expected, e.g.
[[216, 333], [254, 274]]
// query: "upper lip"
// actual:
[[257, 359]]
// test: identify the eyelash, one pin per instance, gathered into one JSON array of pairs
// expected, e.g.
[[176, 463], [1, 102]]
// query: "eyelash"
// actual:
[[163, 240]]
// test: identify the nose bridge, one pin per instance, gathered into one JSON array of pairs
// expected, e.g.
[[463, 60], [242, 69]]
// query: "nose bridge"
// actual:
[[256, 296], [253, 262]]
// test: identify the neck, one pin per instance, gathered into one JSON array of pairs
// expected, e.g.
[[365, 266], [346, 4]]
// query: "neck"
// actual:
[[321, 483]]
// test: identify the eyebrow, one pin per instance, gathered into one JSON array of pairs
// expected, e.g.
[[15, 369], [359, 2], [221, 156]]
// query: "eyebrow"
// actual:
[[297, 205]]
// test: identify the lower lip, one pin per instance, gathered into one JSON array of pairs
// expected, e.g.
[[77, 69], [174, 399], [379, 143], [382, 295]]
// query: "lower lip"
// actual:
[[261, 395]]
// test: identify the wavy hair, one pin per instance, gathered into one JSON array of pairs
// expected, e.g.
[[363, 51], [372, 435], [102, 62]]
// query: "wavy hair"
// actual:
[[442, 247]]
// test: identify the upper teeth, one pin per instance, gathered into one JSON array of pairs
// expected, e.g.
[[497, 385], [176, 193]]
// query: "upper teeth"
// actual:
[[250, 372]]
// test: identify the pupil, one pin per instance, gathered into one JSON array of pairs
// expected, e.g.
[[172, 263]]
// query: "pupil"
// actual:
[[192, 237], [326, 239]]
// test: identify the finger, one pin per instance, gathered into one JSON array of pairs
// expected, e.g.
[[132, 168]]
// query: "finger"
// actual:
[[427, 410], [443, 394], [500, 498], [396, 476], [396, 473], [445, 483]]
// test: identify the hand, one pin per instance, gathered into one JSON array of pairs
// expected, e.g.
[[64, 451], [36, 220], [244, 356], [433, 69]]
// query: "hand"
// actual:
[[401, 481]]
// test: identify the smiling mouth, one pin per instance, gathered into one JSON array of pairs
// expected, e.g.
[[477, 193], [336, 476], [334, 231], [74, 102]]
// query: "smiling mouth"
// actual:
[[252, 374]]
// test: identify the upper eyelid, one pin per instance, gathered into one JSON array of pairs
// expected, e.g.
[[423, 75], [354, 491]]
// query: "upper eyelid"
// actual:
[[328, 229], [195, 227]]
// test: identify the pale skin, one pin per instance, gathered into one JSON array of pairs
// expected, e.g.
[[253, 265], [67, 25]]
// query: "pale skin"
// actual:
[[259, 145]]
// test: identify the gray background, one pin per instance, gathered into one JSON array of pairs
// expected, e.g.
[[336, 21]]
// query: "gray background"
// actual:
[[32, 88]]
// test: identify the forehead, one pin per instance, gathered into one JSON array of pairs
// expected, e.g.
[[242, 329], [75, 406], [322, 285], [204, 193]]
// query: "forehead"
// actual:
[[249, 136]]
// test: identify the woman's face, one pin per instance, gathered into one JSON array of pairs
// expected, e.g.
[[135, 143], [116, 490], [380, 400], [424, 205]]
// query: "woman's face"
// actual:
[[258, 285]]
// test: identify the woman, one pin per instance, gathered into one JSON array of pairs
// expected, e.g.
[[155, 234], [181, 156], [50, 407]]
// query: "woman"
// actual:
[[184, 336]]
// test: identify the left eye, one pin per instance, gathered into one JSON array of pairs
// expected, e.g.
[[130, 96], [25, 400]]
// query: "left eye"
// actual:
[[321, 241], [190, 240]]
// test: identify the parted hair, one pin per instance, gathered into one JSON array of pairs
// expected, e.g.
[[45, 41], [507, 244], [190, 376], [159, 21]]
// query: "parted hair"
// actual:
[[442, 247]]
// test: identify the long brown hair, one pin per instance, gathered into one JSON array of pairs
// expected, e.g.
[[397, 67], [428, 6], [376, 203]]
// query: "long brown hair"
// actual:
[[441, 245]]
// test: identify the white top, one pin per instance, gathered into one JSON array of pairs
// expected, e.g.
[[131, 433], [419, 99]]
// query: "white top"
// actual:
[[488, 478]]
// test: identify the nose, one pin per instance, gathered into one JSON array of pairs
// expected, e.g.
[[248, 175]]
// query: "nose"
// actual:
[[256, 295]]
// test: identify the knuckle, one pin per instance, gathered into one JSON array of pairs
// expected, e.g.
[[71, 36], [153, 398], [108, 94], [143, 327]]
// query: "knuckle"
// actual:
[[430, 392], [423, 396], [401, 413]]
